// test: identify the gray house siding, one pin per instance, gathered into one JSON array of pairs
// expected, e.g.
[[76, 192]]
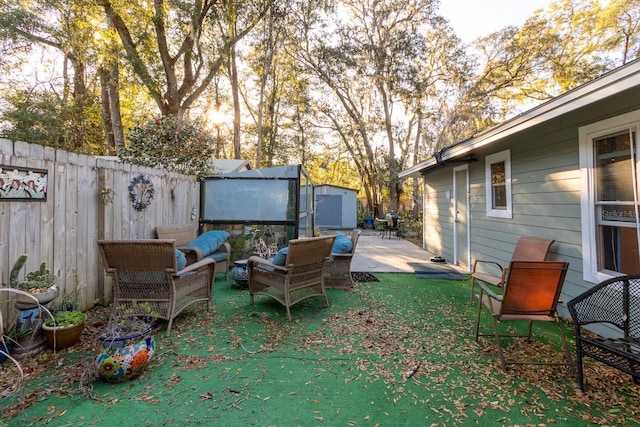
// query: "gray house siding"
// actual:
[[546, 192]]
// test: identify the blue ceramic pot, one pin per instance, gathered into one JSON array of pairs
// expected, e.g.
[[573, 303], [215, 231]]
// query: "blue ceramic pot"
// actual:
[[239, 272]]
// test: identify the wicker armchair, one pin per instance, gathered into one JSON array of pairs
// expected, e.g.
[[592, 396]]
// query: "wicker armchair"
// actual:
[[185, 233], [338, 269], [301, 276], [145, 271]]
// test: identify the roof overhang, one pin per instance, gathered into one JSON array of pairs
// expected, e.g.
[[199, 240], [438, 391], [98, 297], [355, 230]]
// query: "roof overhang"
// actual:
[[609, 84]]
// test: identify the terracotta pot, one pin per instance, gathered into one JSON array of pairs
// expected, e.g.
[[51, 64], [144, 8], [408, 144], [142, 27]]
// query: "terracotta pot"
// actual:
[[61, 337]]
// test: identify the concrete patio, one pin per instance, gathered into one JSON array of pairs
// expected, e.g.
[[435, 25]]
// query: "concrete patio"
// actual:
[[383, 255]]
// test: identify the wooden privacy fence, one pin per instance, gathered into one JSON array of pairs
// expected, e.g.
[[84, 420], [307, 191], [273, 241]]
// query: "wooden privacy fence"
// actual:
[[87, 198]]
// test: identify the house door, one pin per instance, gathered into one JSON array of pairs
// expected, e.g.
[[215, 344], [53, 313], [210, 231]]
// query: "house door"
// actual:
[[461, 217]]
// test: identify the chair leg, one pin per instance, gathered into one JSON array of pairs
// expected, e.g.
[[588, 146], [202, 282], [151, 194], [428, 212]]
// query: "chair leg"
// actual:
[[324, 294], [579, 364], [529, 330], [478, 317], [169, 326], [287, 303], [473, 284], [499, 343], [567, 352]]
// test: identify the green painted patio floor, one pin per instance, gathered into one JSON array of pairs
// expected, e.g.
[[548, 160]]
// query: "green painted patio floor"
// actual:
[[398, 352]]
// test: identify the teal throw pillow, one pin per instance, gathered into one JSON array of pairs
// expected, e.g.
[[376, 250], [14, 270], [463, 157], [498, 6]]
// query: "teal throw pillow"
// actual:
[[181, 260], [342, 244], [281, 256], [210, 241]]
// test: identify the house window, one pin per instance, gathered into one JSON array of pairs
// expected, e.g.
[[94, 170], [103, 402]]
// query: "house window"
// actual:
[[609, 156], [498, 183]]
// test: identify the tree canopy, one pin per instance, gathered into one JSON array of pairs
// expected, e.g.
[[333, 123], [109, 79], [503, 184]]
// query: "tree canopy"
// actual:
[[356, 90]]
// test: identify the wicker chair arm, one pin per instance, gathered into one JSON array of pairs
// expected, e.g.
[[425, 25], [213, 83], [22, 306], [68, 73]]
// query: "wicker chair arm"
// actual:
[[189, 250], [195, 266], [256, 260], [225, 247]]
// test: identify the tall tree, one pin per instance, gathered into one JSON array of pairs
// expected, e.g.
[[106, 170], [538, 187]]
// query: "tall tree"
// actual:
[[384, 62], [385, 37], [176, 48], [568, 44], [60, 25]]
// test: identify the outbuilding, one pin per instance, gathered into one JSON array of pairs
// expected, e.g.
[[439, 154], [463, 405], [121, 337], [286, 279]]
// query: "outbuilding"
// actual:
[[335, 207]]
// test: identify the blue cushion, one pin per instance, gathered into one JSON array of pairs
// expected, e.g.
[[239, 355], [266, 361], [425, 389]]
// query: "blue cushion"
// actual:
[[210, 241], [342, 244], [181, 260], [281, 257]]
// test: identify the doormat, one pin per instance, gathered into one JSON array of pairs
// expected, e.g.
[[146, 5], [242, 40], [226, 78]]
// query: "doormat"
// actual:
[[436, 270], [364, 277]]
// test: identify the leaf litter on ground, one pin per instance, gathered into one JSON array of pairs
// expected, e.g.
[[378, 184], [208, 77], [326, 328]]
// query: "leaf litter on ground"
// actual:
[[422, 349]]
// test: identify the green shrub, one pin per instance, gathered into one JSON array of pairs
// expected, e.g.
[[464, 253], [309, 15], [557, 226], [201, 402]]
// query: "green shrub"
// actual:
[[171, 143]]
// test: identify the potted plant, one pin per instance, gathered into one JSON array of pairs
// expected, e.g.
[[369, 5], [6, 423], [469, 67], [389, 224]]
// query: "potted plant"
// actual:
[[12, 337], [39, 283], [63, 329], [32, 294], [127, 343]]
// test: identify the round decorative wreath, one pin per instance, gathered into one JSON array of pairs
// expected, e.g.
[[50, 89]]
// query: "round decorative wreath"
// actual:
[[141, 192]]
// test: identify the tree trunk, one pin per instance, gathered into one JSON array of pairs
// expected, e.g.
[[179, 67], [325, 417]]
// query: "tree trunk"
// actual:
[[106, 111], [415, 185], [233, 74], [393, 169], [113, 88]]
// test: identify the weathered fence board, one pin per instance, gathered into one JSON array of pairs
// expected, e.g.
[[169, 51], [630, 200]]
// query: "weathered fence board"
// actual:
[[87, 199]]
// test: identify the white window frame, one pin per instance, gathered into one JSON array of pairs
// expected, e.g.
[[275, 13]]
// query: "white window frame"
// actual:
[[586, 135], [502, 156]]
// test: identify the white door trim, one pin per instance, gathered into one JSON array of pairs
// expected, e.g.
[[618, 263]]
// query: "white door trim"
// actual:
[[457, 219]]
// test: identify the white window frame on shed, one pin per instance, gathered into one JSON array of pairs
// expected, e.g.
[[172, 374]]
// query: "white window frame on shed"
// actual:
[[490, 160], [593, 271]]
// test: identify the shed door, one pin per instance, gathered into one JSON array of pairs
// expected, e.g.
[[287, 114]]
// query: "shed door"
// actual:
[[329, 211], [461, 217]]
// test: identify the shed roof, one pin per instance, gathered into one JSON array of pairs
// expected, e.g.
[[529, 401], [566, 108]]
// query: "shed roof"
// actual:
[[611, 83], [337, 186]]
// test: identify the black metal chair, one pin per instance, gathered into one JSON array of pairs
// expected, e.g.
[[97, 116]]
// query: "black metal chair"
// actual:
[[614, 304]]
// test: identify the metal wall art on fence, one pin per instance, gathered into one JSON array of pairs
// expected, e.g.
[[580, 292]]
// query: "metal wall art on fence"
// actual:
[[141, 192], [23, 184]]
